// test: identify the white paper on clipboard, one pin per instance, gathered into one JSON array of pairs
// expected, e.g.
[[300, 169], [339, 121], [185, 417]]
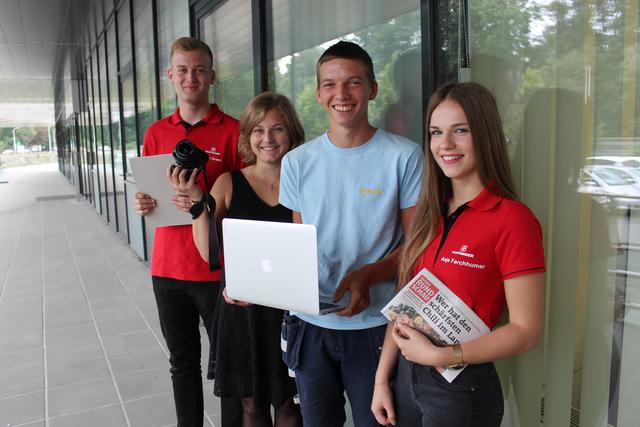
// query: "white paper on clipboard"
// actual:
[[150, 174]]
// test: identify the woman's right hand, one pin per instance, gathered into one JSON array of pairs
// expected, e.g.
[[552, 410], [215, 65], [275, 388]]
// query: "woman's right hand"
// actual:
[[382, 404], [233, 301], [188, 187]]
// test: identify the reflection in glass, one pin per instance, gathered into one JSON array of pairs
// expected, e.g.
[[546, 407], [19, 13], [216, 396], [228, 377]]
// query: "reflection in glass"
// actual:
[[565, 75], [389, 31], [173, 22], [96, 143], [119, 221], [126, 80], [87, 158], [104, 146], [145, 67], [227, 31]]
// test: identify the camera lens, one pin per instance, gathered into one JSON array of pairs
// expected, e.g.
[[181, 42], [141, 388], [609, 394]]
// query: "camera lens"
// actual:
[[188, 156], [185, 147]]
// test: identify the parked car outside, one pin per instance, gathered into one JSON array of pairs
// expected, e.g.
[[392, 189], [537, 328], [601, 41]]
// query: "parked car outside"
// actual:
[[614, 187], [632, 162]]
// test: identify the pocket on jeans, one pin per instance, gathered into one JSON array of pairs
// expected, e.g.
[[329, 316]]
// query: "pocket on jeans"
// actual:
[[291, 340], [482, 377]]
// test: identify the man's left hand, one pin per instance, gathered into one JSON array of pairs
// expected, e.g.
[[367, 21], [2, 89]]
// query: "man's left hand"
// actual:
[[357, 282]]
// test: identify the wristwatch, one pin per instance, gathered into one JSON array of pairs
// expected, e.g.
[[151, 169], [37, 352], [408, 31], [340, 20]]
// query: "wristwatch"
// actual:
[[458, 361], [197, 207]]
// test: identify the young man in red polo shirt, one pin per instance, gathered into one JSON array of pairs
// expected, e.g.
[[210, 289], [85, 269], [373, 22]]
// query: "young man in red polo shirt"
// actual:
[[184, 288]]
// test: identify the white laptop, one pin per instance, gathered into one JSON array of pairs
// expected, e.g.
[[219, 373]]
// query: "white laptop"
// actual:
[[274, 264]]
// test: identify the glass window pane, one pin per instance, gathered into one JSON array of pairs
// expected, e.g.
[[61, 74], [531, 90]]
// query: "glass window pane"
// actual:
[[99, 131], [299, 32], [95, 169], [118, 124], [145, 66], [126, 80], [106, 132], [117, 219], [566, 77], [228, 32], [173, 22]]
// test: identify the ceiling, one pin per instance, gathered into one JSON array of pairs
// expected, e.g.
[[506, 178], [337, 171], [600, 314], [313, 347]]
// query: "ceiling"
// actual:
[[31, 33]]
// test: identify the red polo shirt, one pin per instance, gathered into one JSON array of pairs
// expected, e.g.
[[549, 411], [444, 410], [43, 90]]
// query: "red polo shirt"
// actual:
[[492, 240], [175, 254]]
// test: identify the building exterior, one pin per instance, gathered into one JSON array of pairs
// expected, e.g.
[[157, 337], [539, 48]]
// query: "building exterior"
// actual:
[[566, 76]]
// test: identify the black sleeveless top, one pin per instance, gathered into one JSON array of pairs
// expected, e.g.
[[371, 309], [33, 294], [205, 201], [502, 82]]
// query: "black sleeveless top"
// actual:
[[248, 359], [246, 204]]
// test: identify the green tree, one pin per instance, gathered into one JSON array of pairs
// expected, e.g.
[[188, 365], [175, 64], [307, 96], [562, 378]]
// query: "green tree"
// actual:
[[6, 139]]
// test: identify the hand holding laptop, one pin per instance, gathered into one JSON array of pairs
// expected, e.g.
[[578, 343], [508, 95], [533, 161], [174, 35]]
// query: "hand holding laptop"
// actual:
[[232, 301]]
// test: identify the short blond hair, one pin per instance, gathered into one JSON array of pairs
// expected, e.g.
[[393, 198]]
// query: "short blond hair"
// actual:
[[189, 44], [255, 112]]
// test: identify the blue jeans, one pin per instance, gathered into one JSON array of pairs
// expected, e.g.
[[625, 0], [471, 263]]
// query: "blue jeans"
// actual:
[[180, 306], [329, 362], [422, 397]]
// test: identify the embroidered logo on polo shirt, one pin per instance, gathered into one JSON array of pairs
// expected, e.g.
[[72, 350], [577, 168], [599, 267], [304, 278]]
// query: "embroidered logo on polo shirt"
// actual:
[[374, 191], [214, 154], [463, 251], [462, 263]]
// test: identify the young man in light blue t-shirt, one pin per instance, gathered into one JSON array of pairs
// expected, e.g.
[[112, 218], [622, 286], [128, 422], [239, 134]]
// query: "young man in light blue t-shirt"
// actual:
[[357, 185]]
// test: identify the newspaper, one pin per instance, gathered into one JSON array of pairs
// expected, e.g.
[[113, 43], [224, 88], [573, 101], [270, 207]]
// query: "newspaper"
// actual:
[[429, 306]]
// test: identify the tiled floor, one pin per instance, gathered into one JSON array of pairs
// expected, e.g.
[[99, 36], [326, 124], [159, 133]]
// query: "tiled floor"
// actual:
[[80, 343]]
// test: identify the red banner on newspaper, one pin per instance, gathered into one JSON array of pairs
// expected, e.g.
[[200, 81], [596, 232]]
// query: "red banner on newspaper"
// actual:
[[424, 289]]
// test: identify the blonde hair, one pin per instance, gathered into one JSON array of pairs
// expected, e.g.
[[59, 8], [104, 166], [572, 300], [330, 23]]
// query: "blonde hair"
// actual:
[[489, 142], [255, 112], [189, 44]]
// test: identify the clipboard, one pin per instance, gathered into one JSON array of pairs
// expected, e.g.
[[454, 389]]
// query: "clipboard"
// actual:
[[150, 175]]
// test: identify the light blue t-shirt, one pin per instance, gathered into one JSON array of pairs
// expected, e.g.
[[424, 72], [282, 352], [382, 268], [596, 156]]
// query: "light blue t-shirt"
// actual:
[[353, 196]]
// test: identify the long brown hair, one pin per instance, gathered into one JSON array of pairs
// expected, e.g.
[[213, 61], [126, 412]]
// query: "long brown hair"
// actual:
[[489, 142]]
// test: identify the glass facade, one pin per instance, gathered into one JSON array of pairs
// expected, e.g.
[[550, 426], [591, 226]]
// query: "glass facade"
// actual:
[[173, 22], [145, 74], [127, 80], [94, 100], [105, 120], [298, 32], [565, 74], [115, 128], [227, 30]]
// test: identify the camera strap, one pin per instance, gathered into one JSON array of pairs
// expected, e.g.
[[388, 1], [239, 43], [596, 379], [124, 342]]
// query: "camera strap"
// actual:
[[214, 250]]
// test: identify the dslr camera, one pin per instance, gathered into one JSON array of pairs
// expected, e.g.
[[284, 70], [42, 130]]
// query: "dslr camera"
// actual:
[[188, 156]]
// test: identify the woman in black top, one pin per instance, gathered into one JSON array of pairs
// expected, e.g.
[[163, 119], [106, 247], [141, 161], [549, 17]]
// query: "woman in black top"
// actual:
[[248, 361]]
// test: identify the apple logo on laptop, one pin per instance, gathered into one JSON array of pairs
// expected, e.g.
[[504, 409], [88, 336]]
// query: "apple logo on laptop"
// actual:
[[266, 265]]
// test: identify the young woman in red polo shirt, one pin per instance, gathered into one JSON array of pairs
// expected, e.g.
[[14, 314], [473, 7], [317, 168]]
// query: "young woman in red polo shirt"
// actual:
[[473, 234]]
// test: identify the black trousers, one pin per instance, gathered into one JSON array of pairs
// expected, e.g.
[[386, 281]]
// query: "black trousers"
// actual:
[[181, 304]]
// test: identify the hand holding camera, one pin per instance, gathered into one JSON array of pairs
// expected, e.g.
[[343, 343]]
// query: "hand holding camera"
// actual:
[[189, 162], [187, 156]]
